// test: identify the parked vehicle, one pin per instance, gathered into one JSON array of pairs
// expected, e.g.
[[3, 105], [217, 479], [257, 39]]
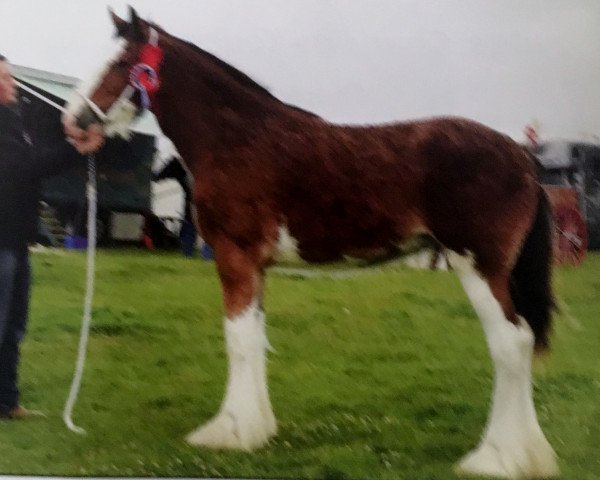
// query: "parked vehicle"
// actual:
[[570, 173]]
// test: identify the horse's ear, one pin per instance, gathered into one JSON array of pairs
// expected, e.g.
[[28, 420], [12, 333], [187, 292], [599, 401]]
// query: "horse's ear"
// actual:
[[136, 27], [122, 27]]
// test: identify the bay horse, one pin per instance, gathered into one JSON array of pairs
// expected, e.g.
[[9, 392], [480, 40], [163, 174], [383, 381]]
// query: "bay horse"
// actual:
[[264, 169]]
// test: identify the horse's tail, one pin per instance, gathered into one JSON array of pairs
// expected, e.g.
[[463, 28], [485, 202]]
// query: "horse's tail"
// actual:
[[530, 283]]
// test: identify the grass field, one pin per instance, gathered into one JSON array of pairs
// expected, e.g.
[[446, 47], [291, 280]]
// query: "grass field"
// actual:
[[380, 376]]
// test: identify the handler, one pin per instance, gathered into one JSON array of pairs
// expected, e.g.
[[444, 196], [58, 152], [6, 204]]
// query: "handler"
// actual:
[[22, 169]]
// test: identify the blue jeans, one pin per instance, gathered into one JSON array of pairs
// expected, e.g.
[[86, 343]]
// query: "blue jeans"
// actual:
[[15, 278], [187, 237]]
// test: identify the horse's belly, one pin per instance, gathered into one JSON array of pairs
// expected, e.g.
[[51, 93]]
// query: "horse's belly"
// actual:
[[292, 249], [324, 250]]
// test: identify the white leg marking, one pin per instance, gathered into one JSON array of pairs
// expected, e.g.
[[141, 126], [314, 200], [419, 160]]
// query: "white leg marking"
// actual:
[[245, 420], [513, 444], [261, 379]]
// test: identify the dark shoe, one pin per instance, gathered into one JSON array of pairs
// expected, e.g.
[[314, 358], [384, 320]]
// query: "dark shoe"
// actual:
[[20, 412]]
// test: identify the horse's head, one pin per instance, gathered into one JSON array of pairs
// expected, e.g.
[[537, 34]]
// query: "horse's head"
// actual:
[[126, 85]]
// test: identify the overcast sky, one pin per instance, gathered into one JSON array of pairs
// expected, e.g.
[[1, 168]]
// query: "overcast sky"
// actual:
[[502, 62]]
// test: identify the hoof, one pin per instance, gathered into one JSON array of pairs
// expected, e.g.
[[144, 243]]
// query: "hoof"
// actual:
[[502, 462], [226, 432]]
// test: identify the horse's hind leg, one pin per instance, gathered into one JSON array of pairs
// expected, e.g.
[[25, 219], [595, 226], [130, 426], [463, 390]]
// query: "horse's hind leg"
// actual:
[[513, 444], [245, 420]]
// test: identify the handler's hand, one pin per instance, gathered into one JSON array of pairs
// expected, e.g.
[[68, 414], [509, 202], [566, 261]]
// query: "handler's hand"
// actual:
[[85, 141]]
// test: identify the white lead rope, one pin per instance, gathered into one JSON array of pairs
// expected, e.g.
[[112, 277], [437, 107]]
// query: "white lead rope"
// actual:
[[40, 96], [92, 199]]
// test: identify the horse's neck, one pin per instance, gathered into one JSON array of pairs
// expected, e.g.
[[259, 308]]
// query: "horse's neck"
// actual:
[[212, 114]]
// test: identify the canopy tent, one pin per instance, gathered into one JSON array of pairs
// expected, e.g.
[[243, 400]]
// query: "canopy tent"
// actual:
[[124, 168]]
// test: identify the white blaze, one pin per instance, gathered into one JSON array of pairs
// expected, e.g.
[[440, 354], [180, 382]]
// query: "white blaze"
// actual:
[[122, 113]]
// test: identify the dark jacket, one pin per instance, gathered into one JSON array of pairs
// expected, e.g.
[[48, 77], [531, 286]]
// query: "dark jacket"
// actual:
[[22, 169]]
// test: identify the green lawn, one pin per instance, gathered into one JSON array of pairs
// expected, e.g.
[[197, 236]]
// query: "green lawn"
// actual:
[[383, 375]]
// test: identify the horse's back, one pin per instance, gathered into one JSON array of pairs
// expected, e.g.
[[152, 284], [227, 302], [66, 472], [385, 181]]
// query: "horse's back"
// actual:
[[374, 187]]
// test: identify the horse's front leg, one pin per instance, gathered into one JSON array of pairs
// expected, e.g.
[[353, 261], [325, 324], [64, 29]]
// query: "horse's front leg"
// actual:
[[245, 420]]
